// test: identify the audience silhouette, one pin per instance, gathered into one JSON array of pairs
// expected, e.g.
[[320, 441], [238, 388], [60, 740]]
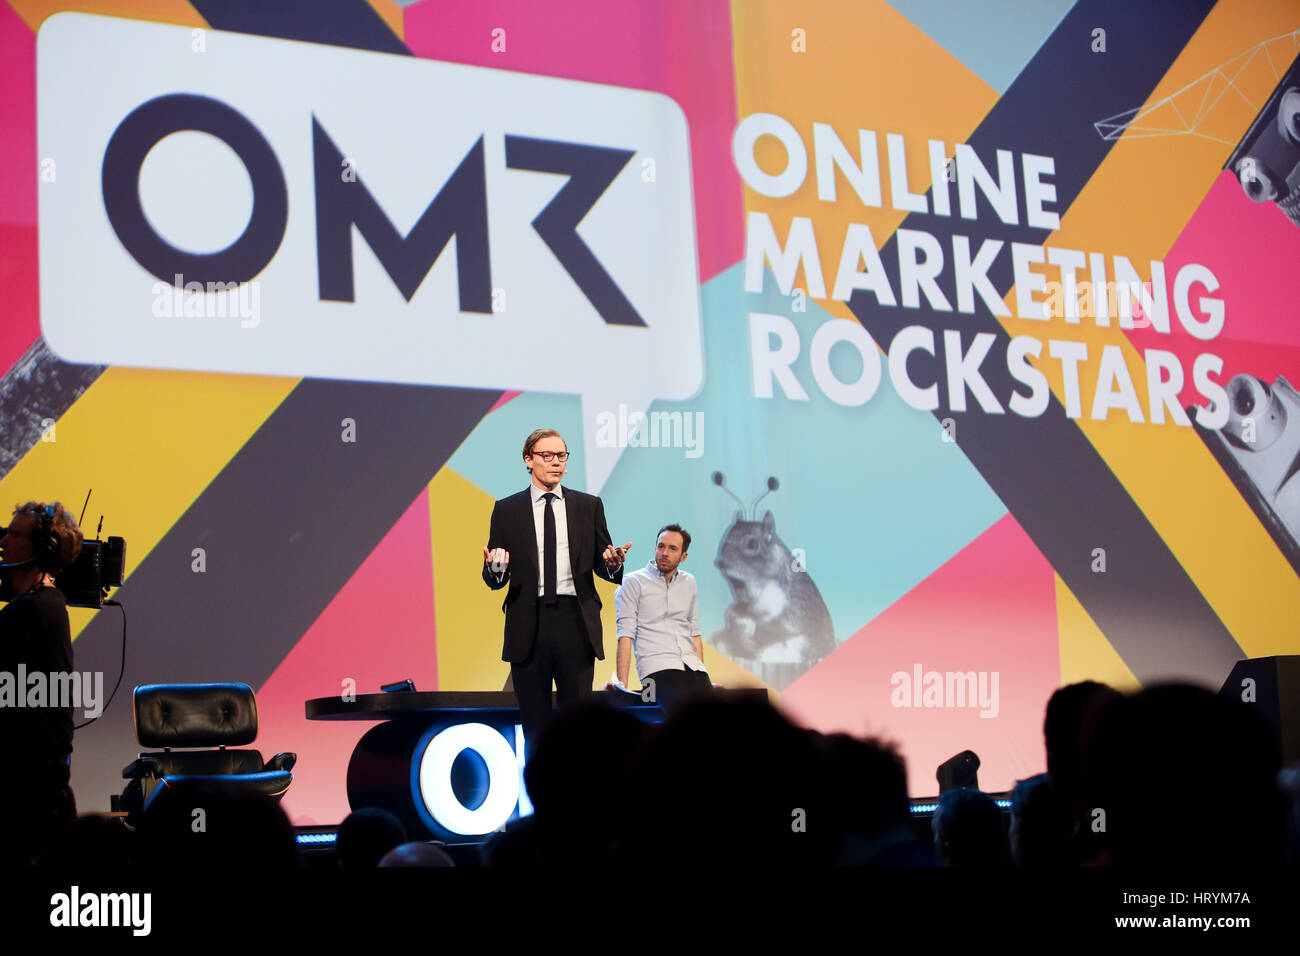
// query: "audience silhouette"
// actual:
[[1171, 776]]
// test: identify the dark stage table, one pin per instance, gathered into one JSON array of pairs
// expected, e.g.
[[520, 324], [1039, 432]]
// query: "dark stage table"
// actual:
[[416, 703], [449, 764]]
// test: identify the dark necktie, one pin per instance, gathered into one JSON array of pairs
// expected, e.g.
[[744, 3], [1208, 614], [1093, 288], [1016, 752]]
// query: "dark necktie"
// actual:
[[549, 548]]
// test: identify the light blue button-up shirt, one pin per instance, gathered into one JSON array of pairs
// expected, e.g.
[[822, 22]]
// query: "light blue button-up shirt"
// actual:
[[660, 617]]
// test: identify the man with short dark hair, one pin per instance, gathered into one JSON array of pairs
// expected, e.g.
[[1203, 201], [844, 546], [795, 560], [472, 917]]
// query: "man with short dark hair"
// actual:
[[547, 543], [35, 639], [658, 613]]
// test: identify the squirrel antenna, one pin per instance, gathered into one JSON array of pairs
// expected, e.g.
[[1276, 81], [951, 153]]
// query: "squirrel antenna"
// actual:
[[721, 482]]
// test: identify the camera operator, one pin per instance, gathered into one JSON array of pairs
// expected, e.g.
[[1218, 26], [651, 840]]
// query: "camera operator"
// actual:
[[35, 800]]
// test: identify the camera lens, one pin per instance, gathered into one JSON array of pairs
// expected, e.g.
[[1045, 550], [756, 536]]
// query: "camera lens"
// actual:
[[1256, 180], [1256, 416]]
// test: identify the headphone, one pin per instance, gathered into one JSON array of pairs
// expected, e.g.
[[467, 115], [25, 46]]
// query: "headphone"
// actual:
[[46, 547]]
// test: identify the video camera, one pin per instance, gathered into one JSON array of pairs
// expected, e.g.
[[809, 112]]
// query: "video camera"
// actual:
[[98, 566]]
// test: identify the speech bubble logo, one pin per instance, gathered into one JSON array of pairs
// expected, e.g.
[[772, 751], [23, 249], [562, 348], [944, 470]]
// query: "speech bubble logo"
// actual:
[[283, 208]]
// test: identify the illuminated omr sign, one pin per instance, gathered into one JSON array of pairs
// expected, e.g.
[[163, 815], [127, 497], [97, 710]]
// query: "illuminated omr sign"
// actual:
[[490, 207], [459, 210], [505, 789]]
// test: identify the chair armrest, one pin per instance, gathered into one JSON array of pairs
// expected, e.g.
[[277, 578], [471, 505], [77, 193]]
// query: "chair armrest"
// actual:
[[282, 762], [141, 767]]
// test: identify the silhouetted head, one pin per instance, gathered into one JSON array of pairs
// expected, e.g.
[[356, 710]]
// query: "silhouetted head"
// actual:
[[416, 855], [1069, 712], [366, 835], [1185, 777], [209, 824], [868, 783], [1040, 826], [868, 799], [582, 759], [578, 779], [968, 829], [726, 781]]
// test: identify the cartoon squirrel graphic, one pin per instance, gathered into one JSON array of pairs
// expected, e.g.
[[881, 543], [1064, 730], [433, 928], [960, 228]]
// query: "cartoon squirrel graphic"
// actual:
[[777, 625]]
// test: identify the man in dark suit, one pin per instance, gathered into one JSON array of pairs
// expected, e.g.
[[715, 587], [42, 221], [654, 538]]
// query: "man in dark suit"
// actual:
[[546, 542]]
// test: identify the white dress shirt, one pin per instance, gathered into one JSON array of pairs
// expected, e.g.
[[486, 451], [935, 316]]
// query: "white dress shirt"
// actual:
[[563, 567]]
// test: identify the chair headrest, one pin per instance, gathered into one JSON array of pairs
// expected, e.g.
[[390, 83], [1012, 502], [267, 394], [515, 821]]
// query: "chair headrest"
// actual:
[[195, 715]]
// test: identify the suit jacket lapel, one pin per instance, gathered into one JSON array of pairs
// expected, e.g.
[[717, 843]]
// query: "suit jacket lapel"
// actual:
[[571, 520], [530, 533]]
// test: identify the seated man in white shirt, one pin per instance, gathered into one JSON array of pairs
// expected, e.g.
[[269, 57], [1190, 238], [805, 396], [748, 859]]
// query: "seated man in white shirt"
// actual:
[[658, 614]]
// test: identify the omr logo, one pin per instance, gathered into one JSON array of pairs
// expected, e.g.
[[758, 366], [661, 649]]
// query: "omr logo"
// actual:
[[502, 778], [459, 210], [403, 220]]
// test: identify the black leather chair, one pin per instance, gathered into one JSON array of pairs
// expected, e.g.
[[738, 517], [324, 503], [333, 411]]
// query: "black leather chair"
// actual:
[[199, 715]]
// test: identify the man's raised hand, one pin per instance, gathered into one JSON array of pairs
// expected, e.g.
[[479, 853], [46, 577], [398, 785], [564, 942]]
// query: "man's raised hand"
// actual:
[[614, 556], [497, 559]]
